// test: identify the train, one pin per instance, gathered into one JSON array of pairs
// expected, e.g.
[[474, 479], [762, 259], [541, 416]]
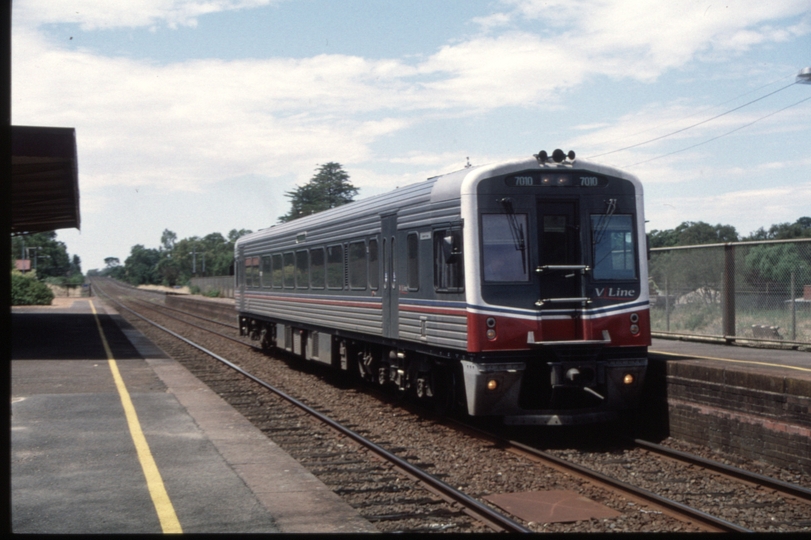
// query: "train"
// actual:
[[515, 290]]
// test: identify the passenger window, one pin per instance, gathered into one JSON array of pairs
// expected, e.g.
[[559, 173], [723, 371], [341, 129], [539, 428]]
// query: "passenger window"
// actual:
[[302, 269], [289, 270], [317, 268], [357, 265], [449, 271], [374, 265], [277, 271], [335, 267], [266, 271], [253, 273], [413, 262]]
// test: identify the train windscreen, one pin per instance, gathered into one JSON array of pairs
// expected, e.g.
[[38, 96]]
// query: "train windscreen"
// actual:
[[503, 247], [613, 247]]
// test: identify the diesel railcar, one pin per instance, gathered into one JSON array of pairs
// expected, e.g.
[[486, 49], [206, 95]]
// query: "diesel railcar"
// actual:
[[516, 289]]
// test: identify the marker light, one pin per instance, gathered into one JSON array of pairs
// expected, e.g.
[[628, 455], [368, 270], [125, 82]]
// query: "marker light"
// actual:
[[634, 329], [628, 379], [491, 334], [492, 384], [634, 318]]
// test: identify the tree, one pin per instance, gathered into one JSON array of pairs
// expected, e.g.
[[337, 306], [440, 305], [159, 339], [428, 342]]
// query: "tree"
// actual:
[[328, 188], [141, 266], [26, 290], [168, 239], [784, 231], [691, 271], [234, 235], [111, 269], [691, 233], [49, 257], [774, 263]]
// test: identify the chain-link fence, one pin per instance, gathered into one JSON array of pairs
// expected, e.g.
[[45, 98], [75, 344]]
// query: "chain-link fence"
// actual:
[[743, 290]]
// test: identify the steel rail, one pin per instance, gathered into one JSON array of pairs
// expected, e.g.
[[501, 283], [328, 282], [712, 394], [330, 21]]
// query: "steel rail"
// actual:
[[170, 308], [481, 511], [766, 481], [670, 504], [149, 305], [641, 493]]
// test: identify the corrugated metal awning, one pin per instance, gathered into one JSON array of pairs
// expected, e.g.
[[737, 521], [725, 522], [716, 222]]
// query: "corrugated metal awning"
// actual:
[[44, 179]]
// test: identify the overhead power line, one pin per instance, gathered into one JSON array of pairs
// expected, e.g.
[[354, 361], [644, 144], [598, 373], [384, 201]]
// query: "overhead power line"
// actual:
[[693, 125], [719, 136], [705, 109]]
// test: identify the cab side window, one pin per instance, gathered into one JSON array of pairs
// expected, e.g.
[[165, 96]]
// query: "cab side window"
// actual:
[[449, 270]]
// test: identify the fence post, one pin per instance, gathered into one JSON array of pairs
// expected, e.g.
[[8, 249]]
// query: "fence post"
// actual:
[[728, 300], [667, 303], [793, 311]]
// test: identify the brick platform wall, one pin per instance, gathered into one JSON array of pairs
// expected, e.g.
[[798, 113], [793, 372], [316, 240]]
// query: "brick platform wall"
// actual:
[[755, 415], [220, 309]]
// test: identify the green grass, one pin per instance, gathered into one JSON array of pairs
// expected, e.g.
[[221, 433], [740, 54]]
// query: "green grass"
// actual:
[[706, 319]]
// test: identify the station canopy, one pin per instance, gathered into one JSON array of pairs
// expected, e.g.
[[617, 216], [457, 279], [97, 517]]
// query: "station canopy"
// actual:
[[44, 179]]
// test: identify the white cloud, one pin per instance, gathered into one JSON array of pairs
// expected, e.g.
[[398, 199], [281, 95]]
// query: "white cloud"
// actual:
[[491, 22], [746, 210], [106, 14], [190, 124], [632, 38]]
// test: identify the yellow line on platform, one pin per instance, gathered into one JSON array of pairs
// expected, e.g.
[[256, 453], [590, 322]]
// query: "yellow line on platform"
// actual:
[[691, 357], [154, 482]]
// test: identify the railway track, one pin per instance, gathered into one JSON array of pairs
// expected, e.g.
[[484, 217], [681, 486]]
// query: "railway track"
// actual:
[[392, 518], [469, 505]]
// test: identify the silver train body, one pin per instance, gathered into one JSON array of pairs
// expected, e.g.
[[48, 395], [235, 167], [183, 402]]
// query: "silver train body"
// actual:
[[517, 289]]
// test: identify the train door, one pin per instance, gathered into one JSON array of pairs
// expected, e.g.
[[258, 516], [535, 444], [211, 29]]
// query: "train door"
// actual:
[[239, 267], [388, 229], [560, 264]]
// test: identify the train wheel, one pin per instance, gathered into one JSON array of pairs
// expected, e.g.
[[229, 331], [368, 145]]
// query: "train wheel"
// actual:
[[367, 366], [445, 387]]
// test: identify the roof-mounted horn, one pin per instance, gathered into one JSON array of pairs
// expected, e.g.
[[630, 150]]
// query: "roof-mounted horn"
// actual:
[[557, 156]]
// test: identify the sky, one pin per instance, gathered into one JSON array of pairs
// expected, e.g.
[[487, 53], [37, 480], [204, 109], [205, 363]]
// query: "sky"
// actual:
[[198, 115]]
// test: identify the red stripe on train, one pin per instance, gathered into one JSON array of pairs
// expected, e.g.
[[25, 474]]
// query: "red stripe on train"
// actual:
[[511, 333]]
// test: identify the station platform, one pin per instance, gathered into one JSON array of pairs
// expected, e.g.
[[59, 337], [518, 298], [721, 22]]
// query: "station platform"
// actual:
[[751, 402], [111, 436]]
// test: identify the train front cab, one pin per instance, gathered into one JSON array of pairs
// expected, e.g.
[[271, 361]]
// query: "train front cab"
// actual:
[[561, 328]]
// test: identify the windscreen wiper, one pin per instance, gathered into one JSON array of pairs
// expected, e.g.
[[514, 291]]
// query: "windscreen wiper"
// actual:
[[516, 229], [605, 219]]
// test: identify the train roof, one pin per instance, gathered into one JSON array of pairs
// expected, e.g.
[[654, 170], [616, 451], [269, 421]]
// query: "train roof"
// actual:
[[435, 189]]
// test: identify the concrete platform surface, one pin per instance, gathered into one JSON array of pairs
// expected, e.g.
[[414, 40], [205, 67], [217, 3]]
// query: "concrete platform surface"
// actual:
[[796, 364], [76, 468]]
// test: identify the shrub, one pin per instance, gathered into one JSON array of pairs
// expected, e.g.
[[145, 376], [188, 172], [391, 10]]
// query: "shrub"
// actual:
[[27, 291], [212, 293], [194, 289]]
